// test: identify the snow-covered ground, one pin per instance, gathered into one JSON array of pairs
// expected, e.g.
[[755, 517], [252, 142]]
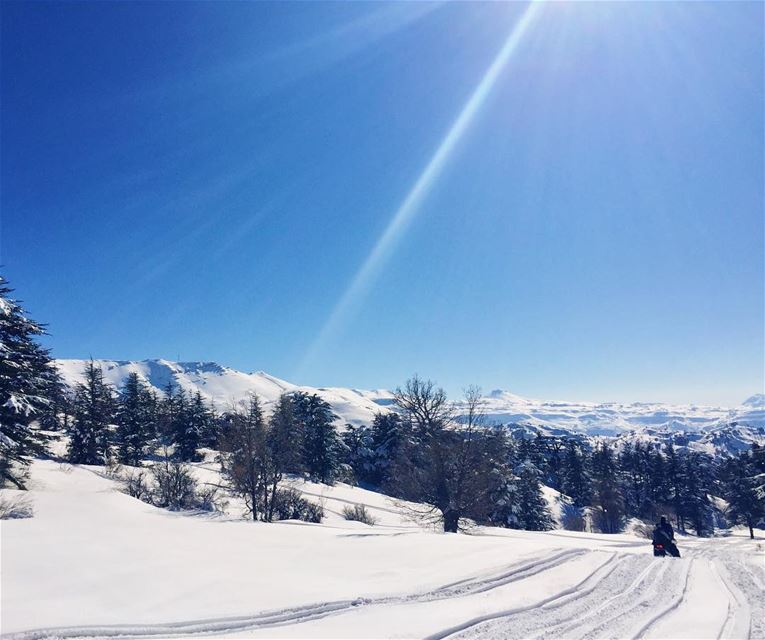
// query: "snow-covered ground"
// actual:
[[95, 562]]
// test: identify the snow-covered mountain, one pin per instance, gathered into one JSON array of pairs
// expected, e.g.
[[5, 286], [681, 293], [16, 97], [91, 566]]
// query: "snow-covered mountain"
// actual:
[[701, 427], [227, 387], [612, 418]]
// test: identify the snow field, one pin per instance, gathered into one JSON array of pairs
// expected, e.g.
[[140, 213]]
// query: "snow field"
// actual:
[[94, 562]]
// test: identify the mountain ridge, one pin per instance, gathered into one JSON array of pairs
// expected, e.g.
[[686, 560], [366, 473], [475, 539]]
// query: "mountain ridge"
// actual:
[[227, 387]]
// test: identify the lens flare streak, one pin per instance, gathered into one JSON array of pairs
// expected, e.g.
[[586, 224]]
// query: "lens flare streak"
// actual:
[[411, 204]]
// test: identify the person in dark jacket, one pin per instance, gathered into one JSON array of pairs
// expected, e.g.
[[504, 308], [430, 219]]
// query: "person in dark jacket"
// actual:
[[664, 534]]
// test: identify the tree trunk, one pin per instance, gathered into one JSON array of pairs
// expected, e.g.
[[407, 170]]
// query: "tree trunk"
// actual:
[[751, 530], [451, 521]]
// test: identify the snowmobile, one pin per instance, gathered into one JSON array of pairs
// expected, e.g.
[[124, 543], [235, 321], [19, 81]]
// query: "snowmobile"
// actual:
[[663, 546]]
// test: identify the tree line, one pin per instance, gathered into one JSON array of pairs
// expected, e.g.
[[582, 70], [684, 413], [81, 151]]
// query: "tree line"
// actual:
[[425, 452]]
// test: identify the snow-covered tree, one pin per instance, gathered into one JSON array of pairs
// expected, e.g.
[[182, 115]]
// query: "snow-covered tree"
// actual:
[[359, 454], [606, 495], [694, 482], [90, 434], [28, 379], [389, 433], [285, 437], [575, 482], [322, 447], [520, 503], [136, 421], [192, 424], [739, 481]]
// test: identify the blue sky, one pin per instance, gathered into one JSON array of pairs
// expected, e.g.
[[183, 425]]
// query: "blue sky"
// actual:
[[207, 181]]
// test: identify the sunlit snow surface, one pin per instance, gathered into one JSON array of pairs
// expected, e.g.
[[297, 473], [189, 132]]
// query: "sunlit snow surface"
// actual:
[[93, 557]]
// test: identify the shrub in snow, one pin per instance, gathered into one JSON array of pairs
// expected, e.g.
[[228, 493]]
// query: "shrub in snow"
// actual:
[[15, 507], [172, 486], [359, 513], [290, 505], [136, 485]]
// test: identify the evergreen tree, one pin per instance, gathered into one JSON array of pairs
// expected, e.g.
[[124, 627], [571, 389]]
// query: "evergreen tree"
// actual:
[[657, 484], [575, 482], [322, 447], [607, 497], [55, 416], [136, 421], [359, 456], [167, 411], [739, 482], [672, 489], [94, 409], [286, 437], [694, 477], [519, 502], [555, 455], [28, 380], [192, 423], [389, 432]]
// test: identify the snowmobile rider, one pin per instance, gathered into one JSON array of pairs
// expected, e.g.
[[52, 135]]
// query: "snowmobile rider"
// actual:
[[666, 528], [664, 534]]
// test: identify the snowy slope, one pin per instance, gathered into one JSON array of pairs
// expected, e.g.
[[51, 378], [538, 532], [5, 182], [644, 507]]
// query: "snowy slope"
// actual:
[[93, 558]]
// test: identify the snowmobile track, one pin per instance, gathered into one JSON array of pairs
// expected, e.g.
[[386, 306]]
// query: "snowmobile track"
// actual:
[[297, 615], [566, 596], [600, 606]]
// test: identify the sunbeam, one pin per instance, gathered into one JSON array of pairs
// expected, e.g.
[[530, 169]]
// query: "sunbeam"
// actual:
[[411, 204]]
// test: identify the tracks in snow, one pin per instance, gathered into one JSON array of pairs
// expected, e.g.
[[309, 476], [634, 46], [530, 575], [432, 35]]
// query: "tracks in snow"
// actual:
[[599, 607], [296, 615], [746, 615]]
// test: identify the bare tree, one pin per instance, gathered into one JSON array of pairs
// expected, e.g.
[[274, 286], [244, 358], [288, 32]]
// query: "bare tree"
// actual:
[[426, 405], [446, 465]]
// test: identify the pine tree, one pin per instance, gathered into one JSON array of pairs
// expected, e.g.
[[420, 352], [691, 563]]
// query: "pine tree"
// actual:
[[359, 454], [694, 477], [607, 496], [575, 482], [191, 424], [28, 380], [285, 437], [94, 409], [673, 488], [657, 483], [739, 482], [519, 502], [136, 421], [389, 432], [322, 447]]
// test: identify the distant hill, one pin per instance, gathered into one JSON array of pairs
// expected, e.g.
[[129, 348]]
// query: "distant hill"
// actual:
[[227, 387], [712, 429]]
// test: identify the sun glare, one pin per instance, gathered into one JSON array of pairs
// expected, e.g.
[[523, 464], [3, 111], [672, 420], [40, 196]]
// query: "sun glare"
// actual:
[[411, 204]]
